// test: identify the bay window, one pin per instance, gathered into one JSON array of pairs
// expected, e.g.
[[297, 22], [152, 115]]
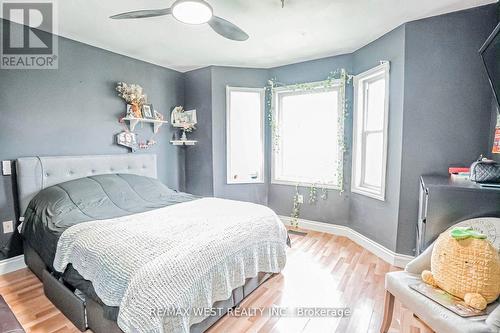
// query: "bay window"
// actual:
[[309, 125]]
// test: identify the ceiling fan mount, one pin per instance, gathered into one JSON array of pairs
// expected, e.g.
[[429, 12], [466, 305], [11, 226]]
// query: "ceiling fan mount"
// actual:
[[191, 12]]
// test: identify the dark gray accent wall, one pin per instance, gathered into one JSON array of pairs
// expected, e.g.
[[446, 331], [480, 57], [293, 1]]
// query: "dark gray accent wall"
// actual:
[[336, 208], [199, 161], [375, 218], [236, 77], [447, 105], [74, 110], [205, 90]]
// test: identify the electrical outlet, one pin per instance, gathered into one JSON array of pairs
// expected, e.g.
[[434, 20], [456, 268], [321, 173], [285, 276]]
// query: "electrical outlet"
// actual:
[[300, 198], [6, 168], [8, 227]]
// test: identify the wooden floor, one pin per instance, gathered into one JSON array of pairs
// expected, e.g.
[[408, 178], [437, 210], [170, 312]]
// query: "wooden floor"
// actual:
[[322, 270]]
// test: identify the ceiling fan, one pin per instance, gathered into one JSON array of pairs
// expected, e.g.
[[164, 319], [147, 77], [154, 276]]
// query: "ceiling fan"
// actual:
[[191, 12]]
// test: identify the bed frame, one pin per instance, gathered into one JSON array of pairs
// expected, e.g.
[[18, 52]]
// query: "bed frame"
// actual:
[[37, 173]]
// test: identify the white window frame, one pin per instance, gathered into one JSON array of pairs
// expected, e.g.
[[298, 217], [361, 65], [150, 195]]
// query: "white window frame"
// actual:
[[279, 93], [359, 132], [261, 91]]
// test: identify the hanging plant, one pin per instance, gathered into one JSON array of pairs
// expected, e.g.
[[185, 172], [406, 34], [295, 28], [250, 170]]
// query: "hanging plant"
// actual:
[[324, 193], [296, 208], [312, 194]]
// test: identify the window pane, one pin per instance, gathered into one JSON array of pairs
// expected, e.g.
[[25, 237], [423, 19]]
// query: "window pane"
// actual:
[[245, 137], [375, 97], [374, 151], [308, 148], [370, 134]]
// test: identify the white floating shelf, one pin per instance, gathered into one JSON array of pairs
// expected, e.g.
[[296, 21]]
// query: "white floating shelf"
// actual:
[[183, 142], [134, 121]]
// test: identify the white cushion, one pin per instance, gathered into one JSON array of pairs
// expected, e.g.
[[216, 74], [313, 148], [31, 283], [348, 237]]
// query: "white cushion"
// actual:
[[440, 319]]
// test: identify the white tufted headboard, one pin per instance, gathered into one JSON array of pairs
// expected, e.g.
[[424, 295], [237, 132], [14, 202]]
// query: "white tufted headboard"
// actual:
[[37, 173]]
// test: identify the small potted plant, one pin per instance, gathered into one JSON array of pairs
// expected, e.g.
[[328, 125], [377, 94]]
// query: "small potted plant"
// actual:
[[187, 128]]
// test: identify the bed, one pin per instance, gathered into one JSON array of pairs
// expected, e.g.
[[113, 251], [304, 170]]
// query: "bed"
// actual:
[[117, 251]]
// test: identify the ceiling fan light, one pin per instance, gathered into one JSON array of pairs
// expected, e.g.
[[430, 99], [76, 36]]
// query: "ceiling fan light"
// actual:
[[192, 11]]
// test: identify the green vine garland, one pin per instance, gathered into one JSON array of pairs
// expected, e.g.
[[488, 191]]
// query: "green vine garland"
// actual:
[[296, 208], [338, 77], [313, 197]]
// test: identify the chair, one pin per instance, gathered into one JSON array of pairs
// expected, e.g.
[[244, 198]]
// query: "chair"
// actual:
[[430, 316]]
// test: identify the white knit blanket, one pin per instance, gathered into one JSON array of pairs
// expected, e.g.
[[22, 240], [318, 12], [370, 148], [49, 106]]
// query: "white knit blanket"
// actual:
[[184, 257]]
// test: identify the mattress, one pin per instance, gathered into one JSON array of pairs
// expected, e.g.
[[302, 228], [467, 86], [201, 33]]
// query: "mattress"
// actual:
[[101, 197]]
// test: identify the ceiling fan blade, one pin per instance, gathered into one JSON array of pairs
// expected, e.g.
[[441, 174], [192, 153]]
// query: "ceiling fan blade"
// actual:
[[227, 29], [142, 14]]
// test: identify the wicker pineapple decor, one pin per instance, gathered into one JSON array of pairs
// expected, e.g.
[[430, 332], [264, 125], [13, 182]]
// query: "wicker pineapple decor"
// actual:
[[465, 264]]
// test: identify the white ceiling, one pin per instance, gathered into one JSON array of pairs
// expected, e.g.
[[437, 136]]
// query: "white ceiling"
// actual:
[[302, 30]]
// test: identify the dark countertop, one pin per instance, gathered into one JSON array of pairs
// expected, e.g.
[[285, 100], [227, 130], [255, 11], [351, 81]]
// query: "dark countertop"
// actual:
[[446, 181]]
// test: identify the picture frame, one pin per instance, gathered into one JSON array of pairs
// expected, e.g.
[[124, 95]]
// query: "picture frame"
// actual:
[[190, 117], [148, 111], [130, 113], [181, 118]]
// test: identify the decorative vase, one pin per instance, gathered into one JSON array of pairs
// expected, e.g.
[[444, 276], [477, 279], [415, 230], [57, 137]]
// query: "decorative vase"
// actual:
[[136, 110], [184, 137]]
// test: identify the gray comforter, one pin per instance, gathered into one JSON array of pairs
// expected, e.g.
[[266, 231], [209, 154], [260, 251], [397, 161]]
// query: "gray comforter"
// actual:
[[102, 197]]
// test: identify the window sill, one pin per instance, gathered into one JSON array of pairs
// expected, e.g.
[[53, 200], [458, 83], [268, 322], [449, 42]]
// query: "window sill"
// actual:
[[305, 184], [243, 182], [368, 193]]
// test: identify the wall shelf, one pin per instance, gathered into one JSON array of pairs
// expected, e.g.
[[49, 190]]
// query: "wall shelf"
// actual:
[[183, 142], [134, 121]]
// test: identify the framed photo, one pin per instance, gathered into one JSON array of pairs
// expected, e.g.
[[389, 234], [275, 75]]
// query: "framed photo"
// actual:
[[181, 118], [190, 117], [148, 111], [130, 113]]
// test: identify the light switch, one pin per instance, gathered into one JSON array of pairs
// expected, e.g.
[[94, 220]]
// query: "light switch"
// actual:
[[6, 168], [8, 227]]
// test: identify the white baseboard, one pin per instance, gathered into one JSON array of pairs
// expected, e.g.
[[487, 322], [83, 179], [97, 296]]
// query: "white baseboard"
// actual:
[[12, 264], [393, 258]]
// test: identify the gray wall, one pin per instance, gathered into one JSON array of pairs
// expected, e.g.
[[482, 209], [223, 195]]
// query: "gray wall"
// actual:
[[199, 161], [374, 218], [205, 90], [74, 110], [336, 208], [237, 77], [447, 106]]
